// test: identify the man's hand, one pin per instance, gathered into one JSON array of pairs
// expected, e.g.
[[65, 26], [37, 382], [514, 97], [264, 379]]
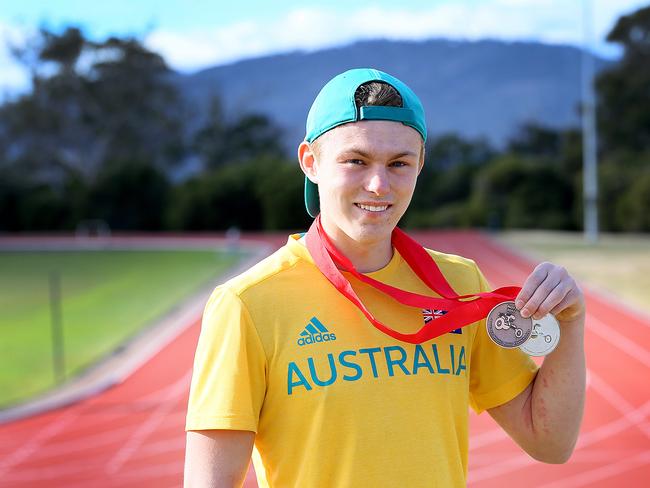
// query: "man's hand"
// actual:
[[545, 418], [550, 289]]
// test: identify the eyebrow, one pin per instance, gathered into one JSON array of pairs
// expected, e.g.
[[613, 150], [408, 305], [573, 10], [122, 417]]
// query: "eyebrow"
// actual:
[[363, 153]]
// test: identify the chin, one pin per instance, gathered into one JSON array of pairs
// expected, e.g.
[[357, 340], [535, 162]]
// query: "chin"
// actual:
[[371, 233]]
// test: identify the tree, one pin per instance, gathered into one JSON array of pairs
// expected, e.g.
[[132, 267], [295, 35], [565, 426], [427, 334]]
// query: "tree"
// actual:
[[517, 193], [62, 50], [217, 200], [623, 94], [43, 134], [446, 178], [536, 140], [129, 196], [618, 175], [116, 106], [447, 150], [220, 142], [135, 110], [633, 207], [279, 187]]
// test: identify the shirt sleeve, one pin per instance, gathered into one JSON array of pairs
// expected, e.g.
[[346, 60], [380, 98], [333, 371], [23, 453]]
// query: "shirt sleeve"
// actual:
[[229, 377], [497, 375]]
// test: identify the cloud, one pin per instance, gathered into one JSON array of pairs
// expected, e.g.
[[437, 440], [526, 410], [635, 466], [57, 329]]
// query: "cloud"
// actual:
[[308, 28], [13, 77], [305, 28]]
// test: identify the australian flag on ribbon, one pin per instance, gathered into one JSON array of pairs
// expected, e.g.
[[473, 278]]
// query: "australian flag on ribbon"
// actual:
[[430, 314]]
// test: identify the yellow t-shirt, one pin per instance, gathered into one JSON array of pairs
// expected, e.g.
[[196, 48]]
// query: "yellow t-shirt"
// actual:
[[335, 402]]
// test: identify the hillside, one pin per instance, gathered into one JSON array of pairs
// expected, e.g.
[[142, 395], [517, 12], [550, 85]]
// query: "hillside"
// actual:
[[477, 89]]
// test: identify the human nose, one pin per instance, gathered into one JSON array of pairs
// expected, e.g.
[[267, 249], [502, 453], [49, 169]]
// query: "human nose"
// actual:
[[378, 182]]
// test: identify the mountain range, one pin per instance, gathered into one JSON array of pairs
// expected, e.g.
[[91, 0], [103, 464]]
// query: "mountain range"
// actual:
[[477, 89]]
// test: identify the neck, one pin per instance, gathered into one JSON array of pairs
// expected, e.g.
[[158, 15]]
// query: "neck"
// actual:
[[365, 256]]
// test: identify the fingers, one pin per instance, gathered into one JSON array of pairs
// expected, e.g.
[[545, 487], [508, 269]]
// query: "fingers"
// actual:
[[559, 295], [572, 307], [549, 288], [536, 278], [568, 300]]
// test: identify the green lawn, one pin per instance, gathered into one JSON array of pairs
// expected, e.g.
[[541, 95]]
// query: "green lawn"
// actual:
[[107, 297]]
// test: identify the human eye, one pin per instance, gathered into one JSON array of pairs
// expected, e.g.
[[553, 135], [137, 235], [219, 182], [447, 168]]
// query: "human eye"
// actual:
[[399, 164], [354, 161]]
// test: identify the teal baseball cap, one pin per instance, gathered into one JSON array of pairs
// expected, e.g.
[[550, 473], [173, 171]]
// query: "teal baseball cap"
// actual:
[[334, 105]]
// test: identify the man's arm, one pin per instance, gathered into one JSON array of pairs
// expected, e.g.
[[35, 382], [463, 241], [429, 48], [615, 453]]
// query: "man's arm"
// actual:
[[545, 418], [217, 458]]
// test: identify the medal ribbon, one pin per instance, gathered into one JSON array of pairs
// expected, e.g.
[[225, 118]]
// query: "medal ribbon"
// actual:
[[462, 310]]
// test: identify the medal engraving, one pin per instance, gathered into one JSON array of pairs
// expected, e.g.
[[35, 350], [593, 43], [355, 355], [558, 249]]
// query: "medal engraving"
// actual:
[[544, 337], [506, 327]]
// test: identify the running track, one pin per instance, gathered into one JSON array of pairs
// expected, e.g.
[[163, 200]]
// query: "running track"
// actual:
[[132, 435]]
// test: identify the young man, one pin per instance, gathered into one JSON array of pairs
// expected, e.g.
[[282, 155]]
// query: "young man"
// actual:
[[288, 363]]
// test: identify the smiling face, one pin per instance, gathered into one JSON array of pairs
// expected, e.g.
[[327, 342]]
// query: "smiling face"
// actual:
[[366, 173]]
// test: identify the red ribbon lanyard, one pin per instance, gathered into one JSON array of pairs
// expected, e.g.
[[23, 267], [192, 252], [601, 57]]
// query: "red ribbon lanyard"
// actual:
[[462, 309]]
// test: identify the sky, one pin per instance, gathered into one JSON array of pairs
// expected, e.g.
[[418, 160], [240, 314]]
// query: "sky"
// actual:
[[194, 34]]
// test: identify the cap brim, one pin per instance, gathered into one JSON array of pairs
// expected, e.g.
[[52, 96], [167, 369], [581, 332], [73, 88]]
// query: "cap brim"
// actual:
[[312, 202]]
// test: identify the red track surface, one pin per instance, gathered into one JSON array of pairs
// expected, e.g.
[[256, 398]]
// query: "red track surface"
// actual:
[[132, 435]]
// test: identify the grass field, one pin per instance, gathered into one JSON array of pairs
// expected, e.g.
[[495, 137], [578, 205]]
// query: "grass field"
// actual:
[[107, 297], [619, 264]]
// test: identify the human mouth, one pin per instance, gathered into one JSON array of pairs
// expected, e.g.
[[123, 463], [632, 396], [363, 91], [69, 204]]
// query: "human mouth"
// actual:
[[372, 207]]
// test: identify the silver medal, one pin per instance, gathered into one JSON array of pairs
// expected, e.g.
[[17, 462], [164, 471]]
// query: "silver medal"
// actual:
[[544, 337], [506, 327]]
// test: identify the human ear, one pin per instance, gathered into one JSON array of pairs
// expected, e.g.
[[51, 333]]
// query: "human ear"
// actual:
[[421, 163], [308, 162]]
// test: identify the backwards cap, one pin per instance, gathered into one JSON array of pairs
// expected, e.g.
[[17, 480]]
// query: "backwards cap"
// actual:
[[335, 106]]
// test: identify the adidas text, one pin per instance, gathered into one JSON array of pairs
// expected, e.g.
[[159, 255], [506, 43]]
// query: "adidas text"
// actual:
[[311, 339]]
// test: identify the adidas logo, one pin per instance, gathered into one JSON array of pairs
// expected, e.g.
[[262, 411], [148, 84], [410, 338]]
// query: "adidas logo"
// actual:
[[315, 331]]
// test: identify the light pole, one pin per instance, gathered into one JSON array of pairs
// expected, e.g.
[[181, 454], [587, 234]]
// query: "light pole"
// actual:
[[58, 355], [589, 140]]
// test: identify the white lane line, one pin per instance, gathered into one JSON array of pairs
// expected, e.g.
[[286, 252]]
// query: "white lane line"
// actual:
[[487, 438], [90, 466], [506, 268], [175, 444], [171, 468], [35, 443], [134, 442], [610, 429], [107, 414], [513, 463], [630, 417], [56, 474], [615, 338], [106, 438], [83, 464], [600, 433], [628, 346], [82, 444], [581, 457], [603, 472], [636, 417], [106, 420], [619, 340]]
